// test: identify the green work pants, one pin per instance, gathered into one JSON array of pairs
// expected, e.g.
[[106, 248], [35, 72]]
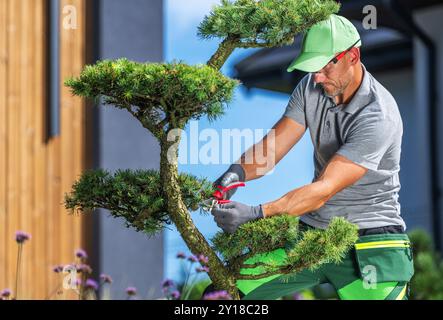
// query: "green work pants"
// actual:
[[378, 267]]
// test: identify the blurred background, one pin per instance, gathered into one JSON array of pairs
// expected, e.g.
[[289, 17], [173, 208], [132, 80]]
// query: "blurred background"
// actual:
[[48, 138]]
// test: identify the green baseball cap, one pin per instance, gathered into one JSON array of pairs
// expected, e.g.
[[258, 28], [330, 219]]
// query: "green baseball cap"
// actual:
[[323, 41]]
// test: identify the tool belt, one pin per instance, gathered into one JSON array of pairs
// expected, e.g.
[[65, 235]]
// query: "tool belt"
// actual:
[[389, 254]]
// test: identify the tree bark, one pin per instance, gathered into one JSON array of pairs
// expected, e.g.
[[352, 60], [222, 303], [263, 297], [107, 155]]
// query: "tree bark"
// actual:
[[223, 52], [196, 242]]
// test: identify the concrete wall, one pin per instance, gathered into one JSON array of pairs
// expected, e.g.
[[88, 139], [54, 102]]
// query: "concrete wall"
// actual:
[[415, 199], [410, 88], [430, 21], [131, 29]]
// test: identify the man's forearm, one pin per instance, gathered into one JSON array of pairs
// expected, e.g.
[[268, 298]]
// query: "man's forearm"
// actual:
[[254, 170], [299, 201], [259, 159]]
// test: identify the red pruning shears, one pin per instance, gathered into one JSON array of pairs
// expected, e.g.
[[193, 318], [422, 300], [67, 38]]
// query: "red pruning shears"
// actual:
[[218, 195]]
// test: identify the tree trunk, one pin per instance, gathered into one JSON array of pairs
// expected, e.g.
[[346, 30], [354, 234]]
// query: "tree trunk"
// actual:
[[223, 52], [220, 276]]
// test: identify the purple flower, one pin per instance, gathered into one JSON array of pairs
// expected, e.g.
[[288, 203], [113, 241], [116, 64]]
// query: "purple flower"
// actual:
[[91, 284], [203, 259], [217, 295], [297, 296], [84, 268], [192, 258], [5, 293], [70, 268], [175, 295], [81, 254], [202, 269], [58, 269], [78, 282], [21, 236], [167, 283], [181, 255], [105, 278], [131, 291]]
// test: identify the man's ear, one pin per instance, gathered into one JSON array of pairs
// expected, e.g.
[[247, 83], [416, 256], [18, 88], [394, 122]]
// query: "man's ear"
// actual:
[[354, 55]]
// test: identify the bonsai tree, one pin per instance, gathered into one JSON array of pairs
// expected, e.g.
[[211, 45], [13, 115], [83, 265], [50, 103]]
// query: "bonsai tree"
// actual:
[[164, 97]]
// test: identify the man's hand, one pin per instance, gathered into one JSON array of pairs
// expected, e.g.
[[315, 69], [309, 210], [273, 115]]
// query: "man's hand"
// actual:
[[234, 174], [230, 216]]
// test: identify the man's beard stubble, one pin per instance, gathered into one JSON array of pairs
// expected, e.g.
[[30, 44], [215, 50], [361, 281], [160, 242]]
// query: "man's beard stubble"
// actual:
[[336, 92]]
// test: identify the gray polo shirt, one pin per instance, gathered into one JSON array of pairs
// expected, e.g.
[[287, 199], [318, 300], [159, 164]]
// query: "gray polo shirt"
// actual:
[[367, 131]]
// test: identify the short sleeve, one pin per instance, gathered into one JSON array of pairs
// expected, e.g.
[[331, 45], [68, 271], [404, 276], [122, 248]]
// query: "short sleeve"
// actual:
[[295, 109], [368, 141]]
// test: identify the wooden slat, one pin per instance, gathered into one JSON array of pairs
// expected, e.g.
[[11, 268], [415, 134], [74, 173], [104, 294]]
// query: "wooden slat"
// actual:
[[87, 131], [66, 117], [27, 102], [52, 201], [13, 141], [3, 138], [73, 59], [53, 227], [40, 187], [78, 113]]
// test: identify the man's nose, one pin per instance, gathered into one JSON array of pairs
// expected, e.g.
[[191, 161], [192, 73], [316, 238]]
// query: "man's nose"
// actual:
[[319, 77]]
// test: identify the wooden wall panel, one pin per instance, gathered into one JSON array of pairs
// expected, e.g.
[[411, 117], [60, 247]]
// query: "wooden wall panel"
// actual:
[[41, 214], [36, 172], [27, 128], [13, 135], [73, 51], [3, 136]]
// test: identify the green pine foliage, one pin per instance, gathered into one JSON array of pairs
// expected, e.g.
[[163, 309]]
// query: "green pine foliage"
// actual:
[[307, 249], [427, 282], [270, 22], [316, 247], [259, 236], [157, 94], [134, 196]]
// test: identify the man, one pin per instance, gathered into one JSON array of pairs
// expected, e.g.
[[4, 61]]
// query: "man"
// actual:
[[356, 130]]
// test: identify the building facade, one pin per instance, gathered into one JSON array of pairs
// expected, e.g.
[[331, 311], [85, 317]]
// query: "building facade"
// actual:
[[48, 138]]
